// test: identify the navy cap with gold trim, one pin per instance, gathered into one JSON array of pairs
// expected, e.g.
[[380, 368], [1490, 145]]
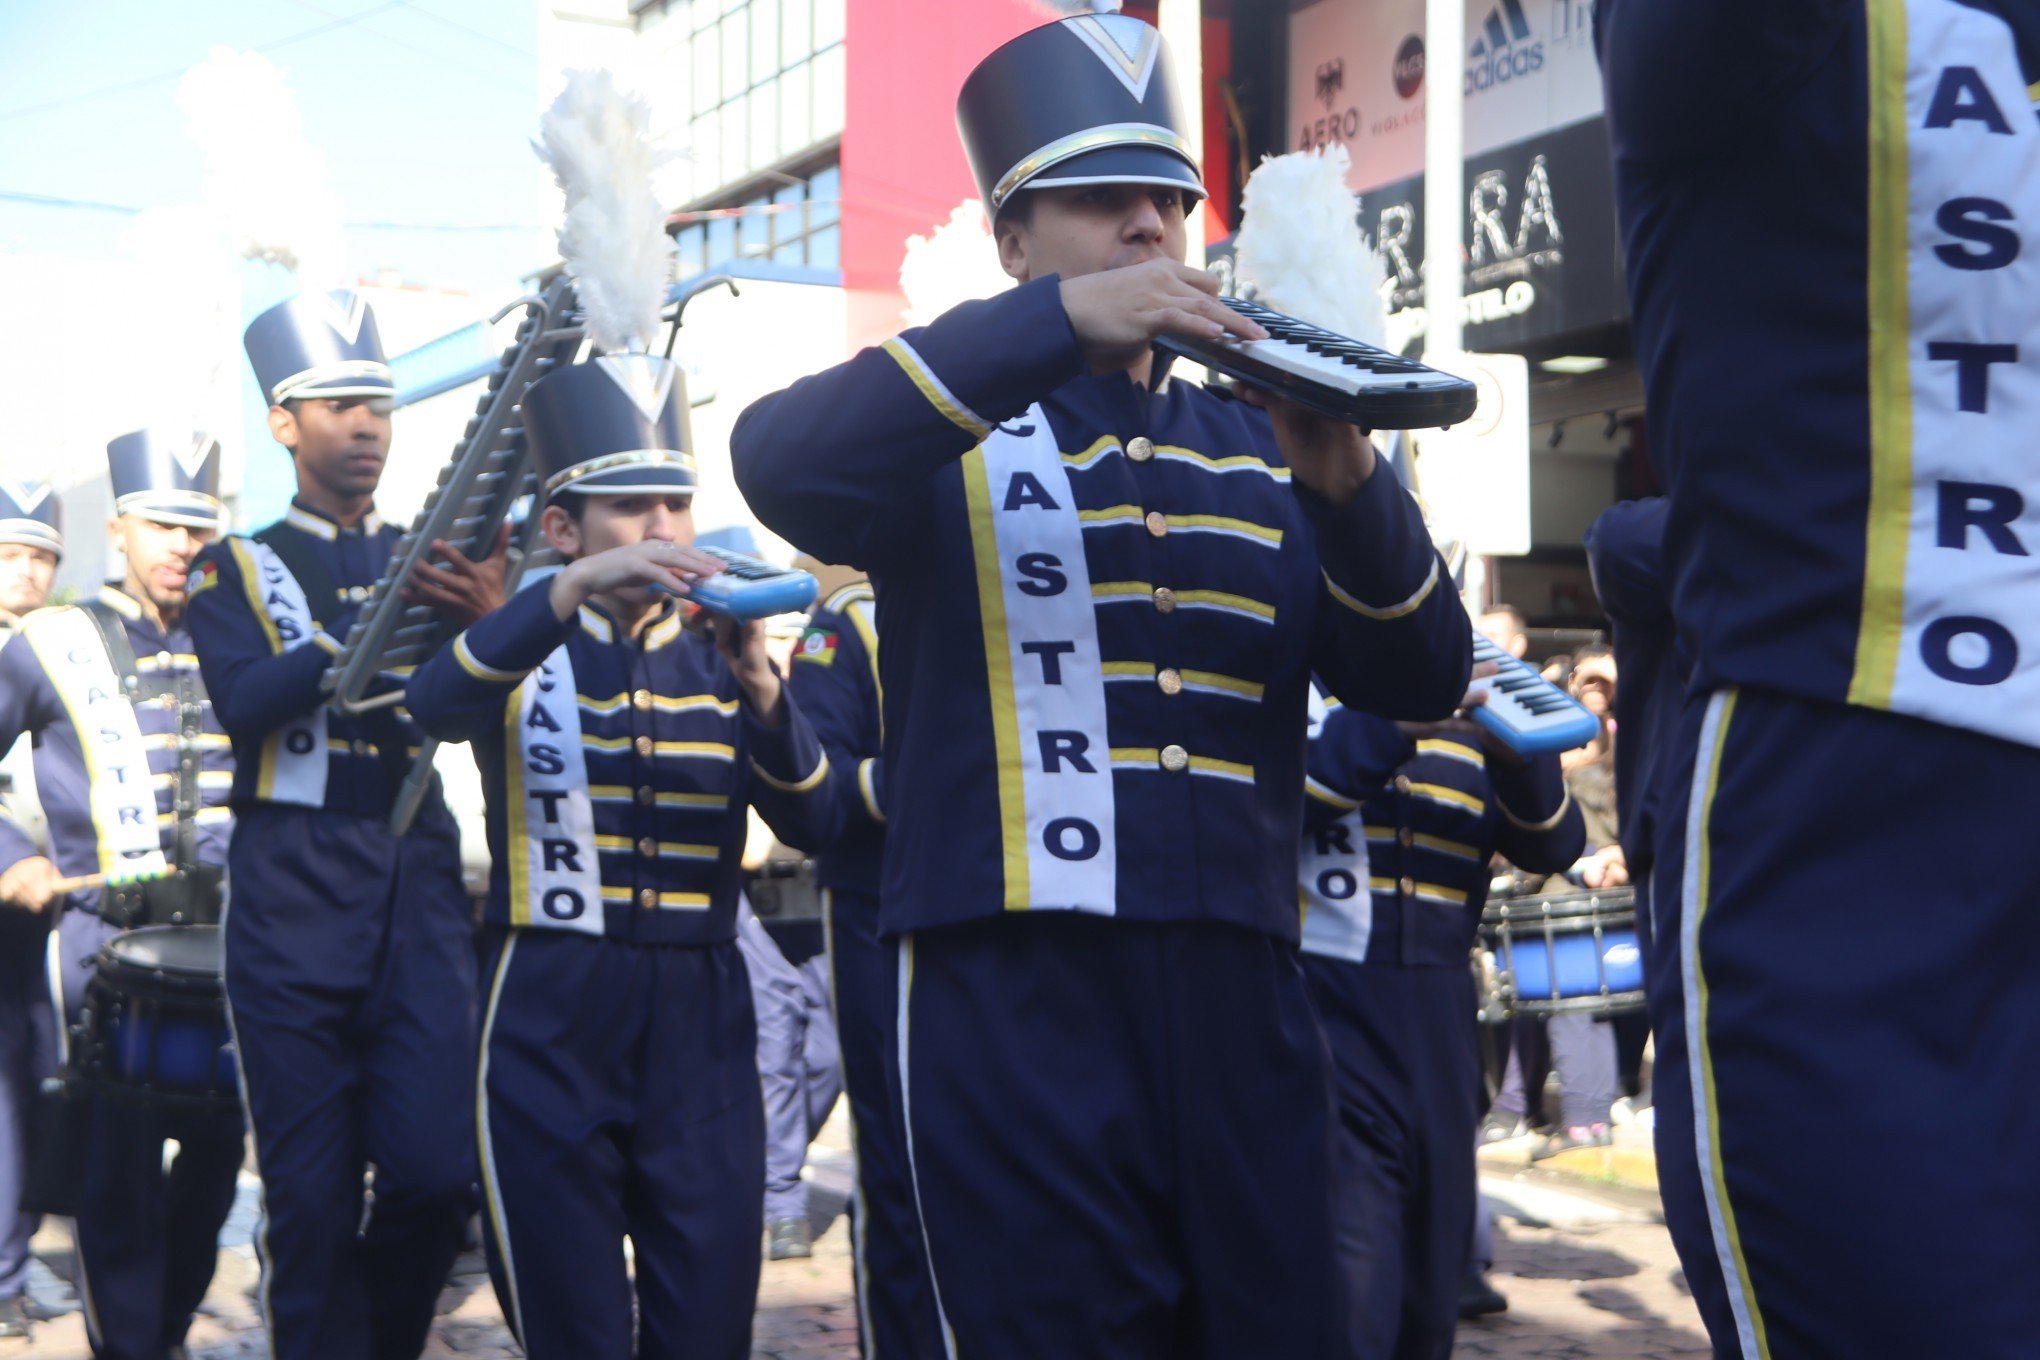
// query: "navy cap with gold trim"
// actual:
[[319, 345], [1085, 100], [615, 425], [169, 476], [31, 515]]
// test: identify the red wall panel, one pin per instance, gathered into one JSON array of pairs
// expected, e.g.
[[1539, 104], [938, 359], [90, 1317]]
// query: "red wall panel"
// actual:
[[903, 168]]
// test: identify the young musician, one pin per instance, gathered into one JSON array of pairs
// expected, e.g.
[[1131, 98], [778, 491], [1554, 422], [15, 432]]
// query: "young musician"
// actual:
[[1843, 404], [835, 677], [31, 542], [1402, 821], [620, 753], [349, 960], [133, 770], [1102, 595]]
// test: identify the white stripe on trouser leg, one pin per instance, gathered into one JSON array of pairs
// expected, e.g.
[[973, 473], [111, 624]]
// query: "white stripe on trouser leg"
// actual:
[[1691, 908], [491, 1188], [859, 1270], [53, 971], [907, 1126], [268, 1263]]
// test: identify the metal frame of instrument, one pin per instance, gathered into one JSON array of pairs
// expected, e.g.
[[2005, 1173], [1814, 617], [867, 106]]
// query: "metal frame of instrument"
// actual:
[[476, 492]]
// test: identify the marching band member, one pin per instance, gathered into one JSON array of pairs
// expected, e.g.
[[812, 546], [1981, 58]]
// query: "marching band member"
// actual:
[[1843, 387], [619, 1092], [133, 772], [1102, 595], [835, 677], [1402, 822], [349, 961], [31, 542]]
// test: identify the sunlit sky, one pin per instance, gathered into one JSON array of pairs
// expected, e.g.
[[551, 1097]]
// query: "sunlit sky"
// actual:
[[422, 108]]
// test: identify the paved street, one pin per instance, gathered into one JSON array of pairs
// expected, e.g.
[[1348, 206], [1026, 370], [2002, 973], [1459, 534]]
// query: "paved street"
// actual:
[[1588, 1270]]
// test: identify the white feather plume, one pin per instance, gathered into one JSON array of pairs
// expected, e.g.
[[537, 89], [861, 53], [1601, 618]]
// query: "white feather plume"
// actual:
[[597, 139], [956, 263], [1301, 247]]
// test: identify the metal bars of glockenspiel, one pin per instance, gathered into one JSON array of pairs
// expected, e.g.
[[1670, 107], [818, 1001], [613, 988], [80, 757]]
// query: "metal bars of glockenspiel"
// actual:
[[473, 497]]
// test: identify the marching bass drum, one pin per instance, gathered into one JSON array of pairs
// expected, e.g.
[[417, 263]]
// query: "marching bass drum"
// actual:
[[1567, 953], [154, 1025]]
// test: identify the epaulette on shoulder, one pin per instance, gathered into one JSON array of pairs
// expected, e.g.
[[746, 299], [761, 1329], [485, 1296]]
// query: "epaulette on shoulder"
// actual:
[[846, 596], [44, 614]]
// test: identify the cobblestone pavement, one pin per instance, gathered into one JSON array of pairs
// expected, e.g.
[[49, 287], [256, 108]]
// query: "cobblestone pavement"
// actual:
[[1588, 1274]]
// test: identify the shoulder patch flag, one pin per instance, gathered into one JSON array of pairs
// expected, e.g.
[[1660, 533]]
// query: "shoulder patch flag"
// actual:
[[205, 578], [817, 645]]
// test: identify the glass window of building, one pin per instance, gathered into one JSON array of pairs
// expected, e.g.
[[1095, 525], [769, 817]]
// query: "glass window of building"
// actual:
[[795, 221], [765, 81]]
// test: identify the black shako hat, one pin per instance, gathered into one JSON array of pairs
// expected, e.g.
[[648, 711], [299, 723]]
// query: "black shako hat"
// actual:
[[169, 476], [31, 515], [318, 345], [613, 426], [1084, 100]]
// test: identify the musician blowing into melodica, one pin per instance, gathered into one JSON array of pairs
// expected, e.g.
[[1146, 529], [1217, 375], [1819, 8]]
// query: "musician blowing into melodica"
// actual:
[[620, 753], [1103, 594]]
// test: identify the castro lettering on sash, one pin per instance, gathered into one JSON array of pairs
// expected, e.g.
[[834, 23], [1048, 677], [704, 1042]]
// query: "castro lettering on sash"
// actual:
[[294, 755], [1338, 909], [122, 794], [555, 875], [1962, 644], [1058, 686]]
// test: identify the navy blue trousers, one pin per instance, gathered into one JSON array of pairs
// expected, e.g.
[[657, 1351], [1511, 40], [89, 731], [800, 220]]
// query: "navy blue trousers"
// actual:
[[350, 976], [148, 1238], [619, 1098], [1121, 1138], [27, 1054], [1406, 1064], [1847, 915], [895, 1299]]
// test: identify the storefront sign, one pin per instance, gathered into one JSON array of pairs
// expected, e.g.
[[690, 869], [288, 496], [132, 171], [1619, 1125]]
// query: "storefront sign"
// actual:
[[1358, 70]]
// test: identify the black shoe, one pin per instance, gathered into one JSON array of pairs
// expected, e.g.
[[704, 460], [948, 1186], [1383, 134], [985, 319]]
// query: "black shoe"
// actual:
[[1478, 1298], [14, 1319]]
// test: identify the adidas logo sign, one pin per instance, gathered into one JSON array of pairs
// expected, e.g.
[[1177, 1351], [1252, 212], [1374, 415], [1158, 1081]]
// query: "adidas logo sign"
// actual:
[[1504, 49]]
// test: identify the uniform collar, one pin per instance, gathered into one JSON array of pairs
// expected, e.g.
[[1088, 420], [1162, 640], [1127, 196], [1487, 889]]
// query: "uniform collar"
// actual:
[[324, 527], [120, 602], [598, 623]]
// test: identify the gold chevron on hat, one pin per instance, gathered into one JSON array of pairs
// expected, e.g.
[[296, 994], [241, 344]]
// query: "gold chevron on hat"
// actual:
[[1127, 46], [646, 380], [27, 495], [345, 320], [191, 459]]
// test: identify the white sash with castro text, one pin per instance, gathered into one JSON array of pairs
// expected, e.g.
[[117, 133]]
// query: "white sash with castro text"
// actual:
[[555, 872], [293, 756], [1968, 634], [1058, 679], [121, 792], [1338, 907]]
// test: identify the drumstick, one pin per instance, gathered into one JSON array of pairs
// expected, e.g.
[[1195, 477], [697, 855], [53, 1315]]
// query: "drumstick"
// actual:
[[66, 886]]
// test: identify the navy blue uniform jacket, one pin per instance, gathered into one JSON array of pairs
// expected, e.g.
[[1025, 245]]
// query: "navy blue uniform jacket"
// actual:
[[1217, 586]]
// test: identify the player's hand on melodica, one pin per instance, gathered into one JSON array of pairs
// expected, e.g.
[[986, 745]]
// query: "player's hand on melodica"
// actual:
[[1117, 313], [742, 644], [652, 562]]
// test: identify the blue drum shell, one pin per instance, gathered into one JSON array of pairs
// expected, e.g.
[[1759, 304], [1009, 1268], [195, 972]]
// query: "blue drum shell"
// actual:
[[172, 1051], [1579, 972]]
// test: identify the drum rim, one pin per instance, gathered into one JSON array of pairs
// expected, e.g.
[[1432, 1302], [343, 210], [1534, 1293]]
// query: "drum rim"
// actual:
[[176, 975]]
